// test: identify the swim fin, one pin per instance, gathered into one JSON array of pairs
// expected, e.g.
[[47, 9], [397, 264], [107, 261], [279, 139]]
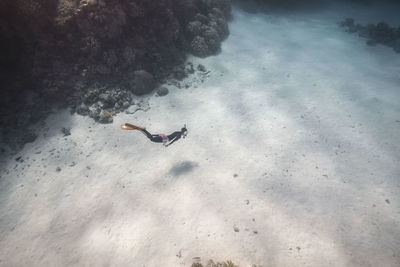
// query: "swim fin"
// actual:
[[128, 126]]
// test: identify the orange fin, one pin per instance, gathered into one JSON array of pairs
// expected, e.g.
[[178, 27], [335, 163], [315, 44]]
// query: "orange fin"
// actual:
[[128, 126]]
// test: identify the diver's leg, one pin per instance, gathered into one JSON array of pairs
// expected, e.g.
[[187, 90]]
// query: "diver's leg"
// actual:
[[153, 137], [145, 132]]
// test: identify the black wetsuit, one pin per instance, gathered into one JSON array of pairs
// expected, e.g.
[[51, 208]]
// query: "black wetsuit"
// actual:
[[158, 138]]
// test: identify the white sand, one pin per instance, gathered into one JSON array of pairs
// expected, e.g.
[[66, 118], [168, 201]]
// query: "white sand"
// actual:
[[304, 113]]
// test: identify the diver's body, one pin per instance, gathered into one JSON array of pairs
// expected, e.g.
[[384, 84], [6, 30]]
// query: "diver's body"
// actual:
[[158, 138]]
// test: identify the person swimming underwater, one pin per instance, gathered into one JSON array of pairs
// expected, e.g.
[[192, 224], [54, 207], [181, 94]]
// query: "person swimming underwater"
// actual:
[[158, 138]]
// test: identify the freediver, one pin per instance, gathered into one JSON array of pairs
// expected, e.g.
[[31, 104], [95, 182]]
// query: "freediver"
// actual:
[[158, 138]]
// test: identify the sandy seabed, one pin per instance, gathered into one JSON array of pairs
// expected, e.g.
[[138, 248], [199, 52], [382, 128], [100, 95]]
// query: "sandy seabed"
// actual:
[[292, 159]]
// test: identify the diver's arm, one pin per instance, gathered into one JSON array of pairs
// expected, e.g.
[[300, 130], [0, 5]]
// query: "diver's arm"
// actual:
[[173, 140]]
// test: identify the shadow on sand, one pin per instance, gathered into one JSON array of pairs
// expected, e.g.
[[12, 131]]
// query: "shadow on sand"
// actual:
[[183, 167]]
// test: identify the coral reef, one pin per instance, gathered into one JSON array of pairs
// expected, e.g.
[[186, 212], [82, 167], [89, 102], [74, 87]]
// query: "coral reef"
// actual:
[[144, 82], [63, 50], [101, 103], [380, 33], [254, 6], [206, 31], [109, 40]]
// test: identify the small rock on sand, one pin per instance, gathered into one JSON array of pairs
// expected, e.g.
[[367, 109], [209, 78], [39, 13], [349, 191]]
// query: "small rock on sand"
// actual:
[[201, 68], [162, 91], [66, 131]]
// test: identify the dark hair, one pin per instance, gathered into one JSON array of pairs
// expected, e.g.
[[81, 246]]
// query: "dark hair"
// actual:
[[184, 130]]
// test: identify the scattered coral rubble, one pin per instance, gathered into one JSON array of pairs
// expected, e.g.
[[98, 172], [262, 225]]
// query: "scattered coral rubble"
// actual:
[[380, 33]]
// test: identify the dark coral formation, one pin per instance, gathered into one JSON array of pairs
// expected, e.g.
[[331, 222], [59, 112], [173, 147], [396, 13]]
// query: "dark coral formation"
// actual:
[[101, 103], [254, 6], [64, 51], [380, 33], [107, 40], [206, 30]]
